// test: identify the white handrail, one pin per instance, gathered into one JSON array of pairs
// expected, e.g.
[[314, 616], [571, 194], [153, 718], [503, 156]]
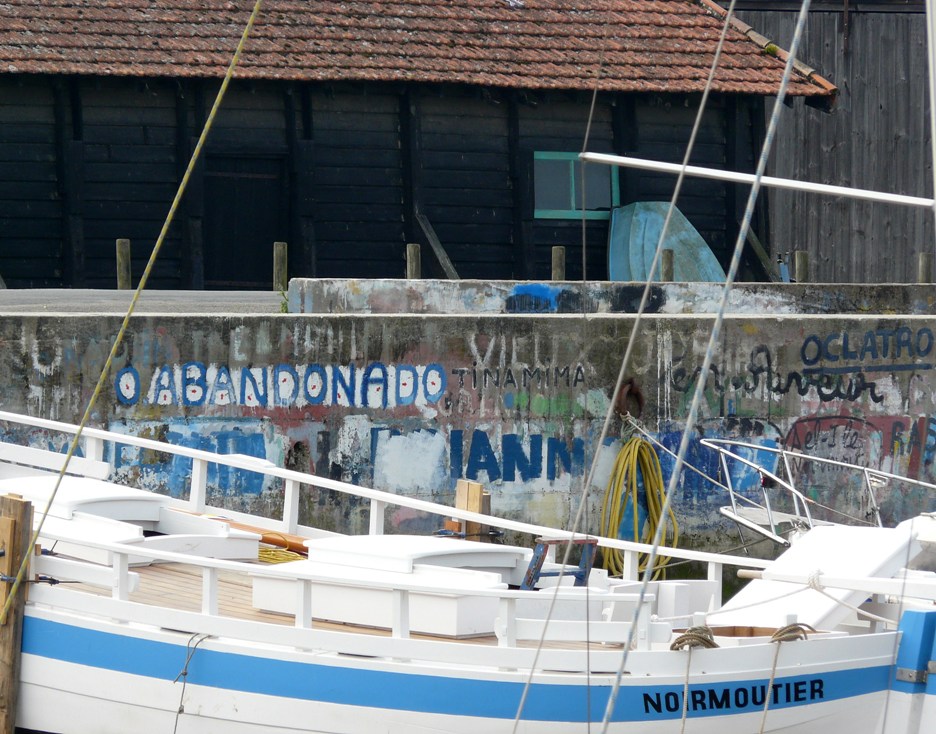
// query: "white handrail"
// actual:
[[263, 466], [726, 449], [749, 178]]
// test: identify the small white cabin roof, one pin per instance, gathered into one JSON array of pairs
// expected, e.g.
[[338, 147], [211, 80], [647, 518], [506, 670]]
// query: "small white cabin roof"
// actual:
[[86, 495], [400, 553], [835, 550]]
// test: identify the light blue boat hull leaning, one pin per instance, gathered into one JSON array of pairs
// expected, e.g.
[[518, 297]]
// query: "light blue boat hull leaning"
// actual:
[[167, 619], [632, 241]]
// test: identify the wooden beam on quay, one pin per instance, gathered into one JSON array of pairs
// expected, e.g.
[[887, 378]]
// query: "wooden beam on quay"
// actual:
[[15, 532]]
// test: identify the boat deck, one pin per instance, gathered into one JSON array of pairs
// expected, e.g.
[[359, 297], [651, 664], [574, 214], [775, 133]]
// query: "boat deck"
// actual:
[[179, 586]]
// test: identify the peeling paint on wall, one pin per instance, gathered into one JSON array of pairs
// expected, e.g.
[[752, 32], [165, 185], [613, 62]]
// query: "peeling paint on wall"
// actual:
[[411, 404]]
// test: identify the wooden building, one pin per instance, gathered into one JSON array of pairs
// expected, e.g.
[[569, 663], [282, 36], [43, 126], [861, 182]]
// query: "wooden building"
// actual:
[[354, 128], [878, 137]]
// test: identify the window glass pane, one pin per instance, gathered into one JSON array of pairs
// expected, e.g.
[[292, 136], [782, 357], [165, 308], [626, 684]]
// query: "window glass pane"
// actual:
[[551, 184], [597, 186]]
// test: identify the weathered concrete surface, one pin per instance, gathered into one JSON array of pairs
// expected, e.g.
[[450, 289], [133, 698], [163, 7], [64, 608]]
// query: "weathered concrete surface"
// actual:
[[51, 300], [504, 297], [410, 403]]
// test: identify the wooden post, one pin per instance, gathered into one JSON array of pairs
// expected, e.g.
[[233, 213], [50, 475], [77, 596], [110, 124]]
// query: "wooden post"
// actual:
[[925, 267], [413, 261], [472, 497], [666, 266], [558, 262], [15, 533], [123, 265], [280, 267], [801, 266]]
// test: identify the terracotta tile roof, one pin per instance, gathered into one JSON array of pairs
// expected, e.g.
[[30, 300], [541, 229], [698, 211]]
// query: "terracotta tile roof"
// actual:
[[638, 45]]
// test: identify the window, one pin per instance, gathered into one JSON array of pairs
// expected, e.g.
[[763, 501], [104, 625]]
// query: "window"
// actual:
[[557, 187]]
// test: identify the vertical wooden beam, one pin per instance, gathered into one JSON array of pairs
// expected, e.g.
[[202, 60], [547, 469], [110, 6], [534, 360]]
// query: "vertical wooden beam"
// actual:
[[521, 182], [69, 154], [15, 532], [625, 133], [472, 497], [293, 218], [666, 266], [925, 267], [183, 96], [736, 147], [413, 262], [306, 256], [123, 265], [280, 267], [801, 266], [558, 262], [194, 232], [758, 118], [410, 157]]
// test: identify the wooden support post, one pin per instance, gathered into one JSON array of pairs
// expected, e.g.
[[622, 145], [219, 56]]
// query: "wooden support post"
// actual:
[[558, 263], [925, 267], [413, 262], [280, 267], [801, 266], [472, 497], [666, 266], [15, 532], [123, 265]]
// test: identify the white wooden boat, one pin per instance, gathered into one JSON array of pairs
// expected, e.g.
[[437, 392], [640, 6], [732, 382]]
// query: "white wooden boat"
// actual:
[[164, 619]]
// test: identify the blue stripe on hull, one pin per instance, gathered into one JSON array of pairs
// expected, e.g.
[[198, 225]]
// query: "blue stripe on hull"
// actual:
[[427, 693]]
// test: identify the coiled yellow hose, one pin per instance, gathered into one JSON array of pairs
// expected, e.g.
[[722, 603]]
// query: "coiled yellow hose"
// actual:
[[637, 458]]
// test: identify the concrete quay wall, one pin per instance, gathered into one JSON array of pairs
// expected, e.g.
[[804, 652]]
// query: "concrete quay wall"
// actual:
[[411, 402]]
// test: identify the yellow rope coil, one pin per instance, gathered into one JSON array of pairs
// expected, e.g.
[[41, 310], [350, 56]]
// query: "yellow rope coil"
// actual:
[[278, 555], [636, 459]]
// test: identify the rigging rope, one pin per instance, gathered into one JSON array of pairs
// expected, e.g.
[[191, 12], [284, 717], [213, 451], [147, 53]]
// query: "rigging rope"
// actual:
[[190, 647], [636, 474], [729, 281], [796, 631], [118, 340]]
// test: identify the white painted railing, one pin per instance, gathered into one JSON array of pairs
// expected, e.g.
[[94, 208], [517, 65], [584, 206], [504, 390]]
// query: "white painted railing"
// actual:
[[729, 451], [379, 500], [122, 580]]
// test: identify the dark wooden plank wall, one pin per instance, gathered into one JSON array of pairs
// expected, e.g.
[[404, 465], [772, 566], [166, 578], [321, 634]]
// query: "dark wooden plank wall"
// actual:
[[337, 171], [876, 138], [128, 178], [243, 188], [30, 200], [358, 184], [465, 185]]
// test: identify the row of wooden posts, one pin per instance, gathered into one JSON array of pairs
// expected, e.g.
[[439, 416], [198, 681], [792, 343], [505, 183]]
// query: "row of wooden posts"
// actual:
[[414, 265]]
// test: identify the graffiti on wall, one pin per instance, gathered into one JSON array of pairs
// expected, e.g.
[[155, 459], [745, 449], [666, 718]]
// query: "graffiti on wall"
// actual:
[[836, 366], [521, 413]]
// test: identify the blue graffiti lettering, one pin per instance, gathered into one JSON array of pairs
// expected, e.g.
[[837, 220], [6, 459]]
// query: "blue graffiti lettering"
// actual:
[[222, 389], [127, 386], [194, 384], [254, 391], [481, 458], [902, 343], [285, 384]]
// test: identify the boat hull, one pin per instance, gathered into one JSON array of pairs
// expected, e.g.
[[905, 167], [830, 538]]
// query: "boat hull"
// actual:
[[82, 675]]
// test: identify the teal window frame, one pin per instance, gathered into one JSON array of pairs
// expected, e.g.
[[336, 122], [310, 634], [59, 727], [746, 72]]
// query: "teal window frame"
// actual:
[[575, 212]]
